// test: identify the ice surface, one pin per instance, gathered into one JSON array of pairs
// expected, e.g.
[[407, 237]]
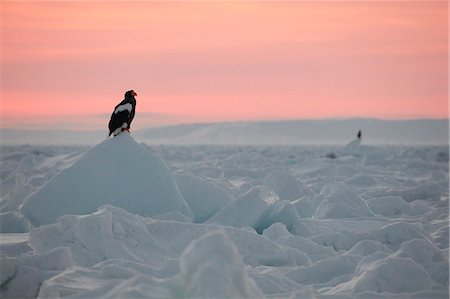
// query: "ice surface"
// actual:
[[276, 222], [13, 222]]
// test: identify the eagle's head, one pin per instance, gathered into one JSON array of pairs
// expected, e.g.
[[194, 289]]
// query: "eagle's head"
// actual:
[[130, 94]]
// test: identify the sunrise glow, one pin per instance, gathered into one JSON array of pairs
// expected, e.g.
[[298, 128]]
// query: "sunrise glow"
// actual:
[[67, 63]]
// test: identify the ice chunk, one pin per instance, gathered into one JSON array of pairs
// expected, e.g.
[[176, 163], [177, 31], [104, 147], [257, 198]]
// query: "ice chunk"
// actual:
[[395, 234], [281, 211], [13, 200], [340, 201], [362, 181], [254, 248], [203, 197], [212, 267], [247, 210], [13, 222], [22, 278], [313, 250], [304, 207], [390, 206], [351, 149], [106, 234], [395, 275], [273, 281], [367, 247], [276, 231], [427, 255], [286, 186], [325, 270]]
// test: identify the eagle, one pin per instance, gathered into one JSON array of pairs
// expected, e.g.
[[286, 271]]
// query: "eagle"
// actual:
[[123, 114]]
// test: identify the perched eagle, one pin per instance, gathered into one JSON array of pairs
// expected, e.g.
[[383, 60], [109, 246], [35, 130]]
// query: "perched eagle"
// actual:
[[123, 114]]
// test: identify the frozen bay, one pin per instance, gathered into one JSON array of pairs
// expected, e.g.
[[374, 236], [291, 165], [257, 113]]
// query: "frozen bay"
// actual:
[[273, 221]]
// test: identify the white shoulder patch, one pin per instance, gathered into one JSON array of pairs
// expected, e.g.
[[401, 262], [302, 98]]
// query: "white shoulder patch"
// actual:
[[123, 107]]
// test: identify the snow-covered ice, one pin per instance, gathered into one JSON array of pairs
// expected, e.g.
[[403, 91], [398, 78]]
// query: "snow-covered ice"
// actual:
[[128, 220]]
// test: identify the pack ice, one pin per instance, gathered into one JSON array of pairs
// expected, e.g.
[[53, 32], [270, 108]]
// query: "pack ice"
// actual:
[[123, 220]]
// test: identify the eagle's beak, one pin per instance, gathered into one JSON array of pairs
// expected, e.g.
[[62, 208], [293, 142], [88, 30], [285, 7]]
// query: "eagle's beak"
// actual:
[[134, 93]]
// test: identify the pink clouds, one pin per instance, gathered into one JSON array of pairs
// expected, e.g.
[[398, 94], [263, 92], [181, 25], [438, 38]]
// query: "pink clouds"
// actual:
[[227, 60]]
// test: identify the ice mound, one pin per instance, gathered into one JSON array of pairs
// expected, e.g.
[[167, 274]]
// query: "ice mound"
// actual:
[[286, 186], [277, 232], [391, 235], [22, 277], [279, 212], [119, 172], [429, 190], [110, 279], [304, 207], [247, 210], [12, 222], [273, 283], [210, 267], [106, 234], [213, 268], [255, 249], [12, 200], [203, 197], [352, 148], [325, 270], [395, 234], [394, 275], [362, 181], [340, 201], [427, 255], [386, 276], [390, 206], [338, 240], [112, 248], [367, 247], [313, 250], [422, 251]]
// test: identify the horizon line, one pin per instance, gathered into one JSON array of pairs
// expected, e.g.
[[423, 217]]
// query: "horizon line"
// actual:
[[12, 128]]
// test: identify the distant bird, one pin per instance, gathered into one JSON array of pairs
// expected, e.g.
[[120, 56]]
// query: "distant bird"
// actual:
[[359, 134], [123, 114]]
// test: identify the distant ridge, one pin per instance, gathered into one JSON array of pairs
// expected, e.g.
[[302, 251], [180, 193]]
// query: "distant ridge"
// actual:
[[327, 131], [308, 132]]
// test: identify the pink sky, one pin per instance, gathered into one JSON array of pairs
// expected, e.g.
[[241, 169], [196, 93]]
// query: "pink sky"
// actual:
[[67, 64]]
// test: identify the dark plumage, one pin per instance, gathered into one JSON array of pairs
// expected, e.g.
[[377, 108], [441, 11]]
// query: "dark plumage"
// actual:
[[123, 114]]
